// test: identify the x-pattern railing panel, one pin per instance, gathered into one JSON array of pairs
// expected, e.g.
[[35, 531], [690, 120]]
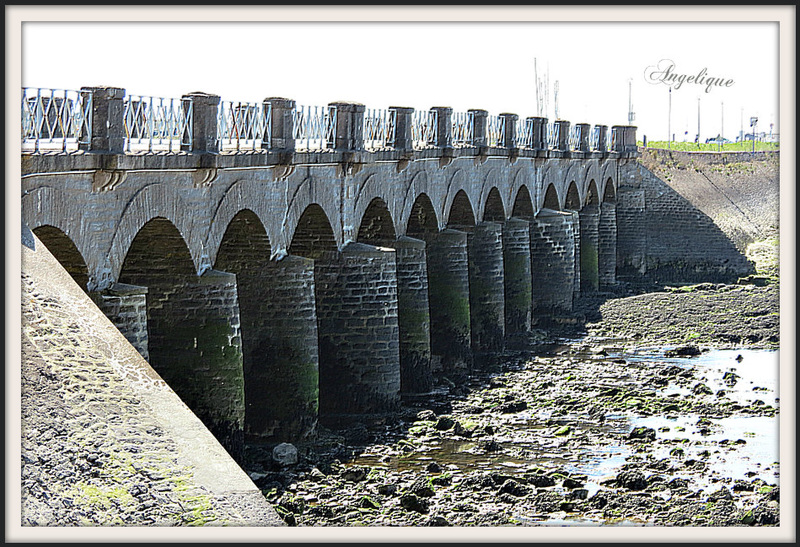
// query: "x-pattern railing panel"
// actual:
[[157, 123], [244, 126], [314, 127], [380, 127], [463, 128], [55, 119], [424, 129]]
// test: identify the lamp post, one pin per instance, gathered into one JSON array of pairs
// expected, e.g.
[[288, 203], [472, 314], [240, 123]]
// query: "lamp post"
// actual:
[[753, 122], [669, 121]]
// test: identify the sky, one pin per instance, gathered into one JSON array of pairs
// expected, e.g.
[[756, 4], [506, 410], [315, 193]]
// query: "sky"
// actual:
[[601, 69]]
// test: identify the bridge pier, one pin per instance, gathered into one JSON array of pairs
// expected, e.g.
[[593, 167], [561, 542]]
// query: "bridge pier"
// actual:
[[413, 316], [281, 361], [553, 262], [357, 311], [589, 220], [448, 286], [607, 244], [486, 290], [126, 307], [517, 279]]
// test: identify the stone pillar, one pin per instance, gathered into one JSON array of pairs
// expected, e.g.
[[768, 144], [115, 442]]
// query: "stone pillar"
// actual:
[[359, 356], [480, 120], [601, 137], [349, 126], [448, 290], [539, 132], [563, 134], [281, 124], [205, 118], [583, 136], [510, 133], [517, 278], [196, 347], [607, 245], [108, 120], [589, 247], [281, 360], [444, 126], [576, 268], [552, 262], [631, 211], [126, 307], [403, 136], [413, 316], [486, 288]]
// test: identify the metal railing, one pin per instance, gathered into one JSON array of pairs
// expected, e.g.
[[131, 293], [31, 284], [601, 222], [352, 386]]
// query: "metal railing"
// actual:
[[575, 138], [156, 123], [594, 138], [495, 130], [424, 130], [55, 119], [524, 137], [244, 126], [379, 128], [611, 139], [463, 128], [314, 127], [553, 135]]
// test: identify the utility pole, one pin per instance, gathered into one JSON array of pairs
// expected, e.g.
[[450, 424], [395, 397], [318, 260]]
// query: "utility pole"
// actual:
[[698, 122], [669, 121], [631, 115], [721, 125]]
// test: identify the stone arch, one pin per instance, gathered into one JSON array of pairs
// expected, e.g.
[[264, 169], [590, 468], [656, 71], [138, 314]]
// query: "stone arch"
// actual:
[[157, 246], [313, 235], [422, 219], [493, 209], [372, 189], [592, 194], [152, 202], [418, 186], [572, 201], [376, 226], [458, 187], [304, 196], [239, 197], [609, 192], [551, 199], [65, 251], [461, 214], [523, 204], [244, 244]]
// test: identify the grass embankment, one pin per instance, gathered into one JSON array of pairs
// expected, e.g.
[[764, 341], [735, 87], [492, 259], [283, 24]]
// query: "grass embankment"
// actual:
[[746, 146]]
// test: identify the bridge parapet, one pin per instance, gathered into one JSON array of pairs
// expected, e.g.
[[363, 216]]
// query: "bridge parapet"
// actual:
[[199, 130]]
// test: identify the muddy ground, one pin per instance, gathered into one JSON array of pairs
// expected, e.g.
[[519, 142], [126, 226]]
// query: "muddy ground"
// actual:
[[502, 450]]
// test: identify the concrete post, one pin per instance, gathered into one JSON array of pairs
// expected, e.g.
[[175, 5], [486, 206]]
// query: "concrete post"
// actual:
[[413, 316], [563, 134], [510, 133], [589, 240], [126, 307], [607, 245], [403, 136], [448, 289], [486, 289], [359, 355], [539, 132], [349, 126], [552, 262], [281, 124], [108, 119], [444, 126], [205, 118], [517, 278], [480, 120]]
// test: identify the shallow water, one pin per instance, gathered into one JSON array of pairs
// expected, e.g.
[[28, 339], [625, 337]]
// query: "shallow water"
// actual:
[[733, 448]]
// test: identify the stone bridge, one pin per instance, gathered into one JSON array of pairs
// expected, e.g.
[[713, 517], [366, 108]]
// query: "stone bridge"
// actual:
[[279, 274]]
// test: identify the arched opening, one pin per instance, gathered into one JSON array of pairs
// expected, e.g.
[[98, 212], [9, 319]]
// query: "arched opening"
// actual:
[[65, 251], [573, 201], [607, 237], [422, 221], [551, 198], [193, 328], [313, 236], [609, 195], [523, 204], [461, 215], [589, 223], [376, 226], [494, 210], [592, 197]]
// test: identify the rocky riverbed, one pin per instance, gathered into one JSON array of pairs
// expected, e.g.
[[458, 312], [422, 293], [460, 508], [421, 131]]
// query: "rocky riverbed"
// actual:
[[648, 411]]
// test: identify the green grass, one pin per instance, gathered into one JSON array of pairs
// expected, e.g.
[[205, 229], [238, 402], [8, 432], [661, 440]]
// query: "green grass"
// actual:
[[746, 146]]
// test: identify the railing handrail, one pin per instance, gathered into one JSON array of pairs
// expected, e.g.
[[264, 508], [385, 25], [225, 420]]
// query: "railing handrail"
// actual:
[[463, 128], [60, 117], [314, 127], [424, 128], [244, 126], [157, 121], [380, 127], [495, 130]]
